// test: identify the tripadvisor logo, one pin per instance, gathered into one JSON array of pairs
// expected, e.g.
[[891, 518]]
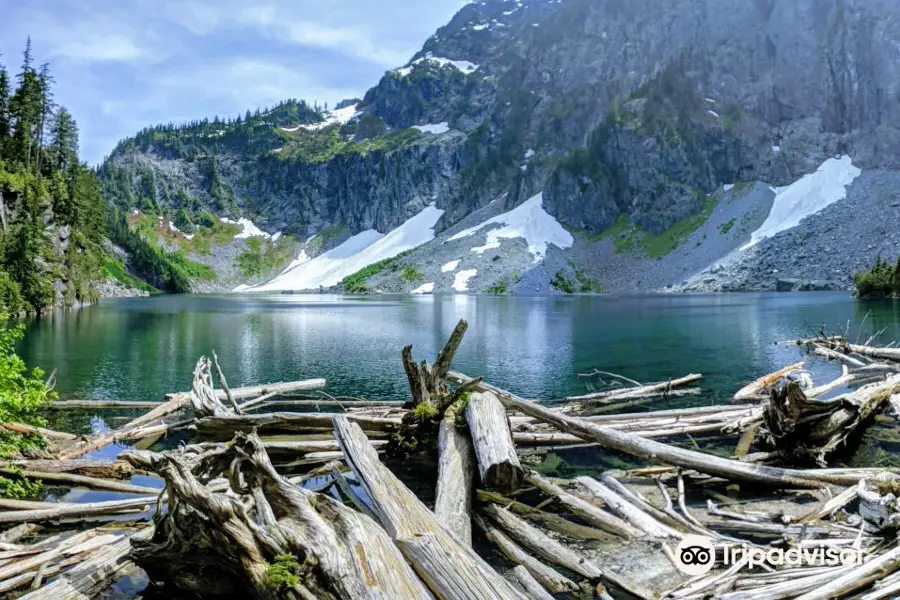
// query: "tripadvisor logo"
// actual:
[[696, 555]]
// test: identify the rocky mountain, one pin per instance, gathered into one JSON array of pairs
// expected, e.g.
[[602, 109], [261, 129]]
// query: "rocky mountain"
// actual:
[[580, 145]]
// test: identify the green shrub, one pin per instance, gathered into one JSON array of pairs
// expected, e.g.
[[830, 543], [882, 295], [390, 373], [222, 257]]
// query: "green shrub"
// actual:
[[498, 289], [725, 228], [263, 257], [356, 283], [410, 274], [22, 396], [563, 284], [883, 281]]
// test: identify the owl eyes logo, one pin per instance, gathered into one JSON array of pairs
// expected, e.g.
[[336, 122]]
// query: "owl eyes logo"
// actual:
[[695, 555]]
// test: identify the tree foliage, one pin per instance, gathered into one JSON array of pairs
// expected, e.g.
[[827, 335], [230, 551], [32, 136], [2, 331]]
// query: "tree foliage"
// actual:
[[52, 212], [883, 281]]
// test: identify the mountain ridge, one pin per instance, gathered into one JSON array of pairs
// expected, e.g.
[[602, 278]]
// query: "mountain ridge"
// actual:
[[630, 117]]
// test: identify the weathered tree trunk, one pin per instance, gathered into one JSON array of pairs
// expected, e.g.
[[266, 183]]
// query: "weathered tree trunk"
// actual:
[[426, 383], [802, 428], [451, 569], [109, 469], [643, 391], [658, 452], [274, 423], [94, 575], [498, 463], [456, 475], [761, 386], [532, 588], [627, 511], [92, 483], [69, 511], [584, 509], [547, 576], [212, 543]]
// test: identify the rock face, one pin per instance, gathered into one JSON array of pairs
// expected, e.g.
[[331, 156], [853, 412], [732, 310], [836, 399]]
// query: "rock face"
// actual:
[[634, 111]]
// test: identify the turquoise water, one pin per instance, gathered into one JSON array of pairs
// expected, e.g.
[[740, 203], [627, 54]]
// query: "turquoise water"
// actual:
[[140, 349]]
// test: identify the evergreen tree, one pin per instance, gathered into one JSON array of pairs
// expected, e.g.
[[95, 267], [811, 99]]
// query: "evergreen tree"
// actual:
[[64, 141], [45, 80], [4, 110], [25, 110]]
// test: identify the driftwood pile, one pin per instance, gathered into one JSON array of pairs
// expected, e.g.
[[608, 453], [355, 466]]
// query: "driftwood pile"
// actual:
[[305, 505]]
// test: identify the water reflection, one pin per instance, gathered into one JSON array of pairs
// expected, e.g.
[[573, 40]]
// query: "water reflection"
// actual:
[[140, 349]]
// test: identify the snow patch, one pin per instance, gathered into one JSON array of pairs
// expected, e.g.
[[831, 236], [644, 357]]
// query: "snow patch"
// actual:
[[340, 116], [450, 266], [427, 288], [713, 113], [435, 128], [276, 236], [248, 228], [481, 27], [172, 227], [278, 149], [461, 281], [460, 65], [809, 195], [728, 187], [776, 149], [358, 252], [529, 220], [529, 154]]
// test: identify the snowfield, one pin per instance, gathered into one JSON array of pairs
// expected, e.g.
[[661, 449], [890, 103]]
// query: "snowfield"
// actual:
[[461, 281], [809, 195], [435, 128], [360, 251], [427, 288], [529, 220], [450, 266]]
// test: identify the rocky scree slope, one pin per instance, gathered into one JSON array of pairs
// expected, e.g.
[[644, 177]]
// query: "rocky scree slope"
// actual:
[[629, 115]]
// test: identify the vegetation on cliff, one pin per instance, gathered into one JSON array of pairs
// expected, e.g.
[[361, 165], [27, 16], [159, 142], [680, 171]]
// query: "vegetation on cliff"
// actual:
[[882, 281], [52, 221]]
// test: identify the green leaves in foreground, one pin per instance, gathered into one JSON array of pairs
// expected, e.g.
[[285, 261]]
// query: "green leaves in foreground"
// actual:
[[22, 396]]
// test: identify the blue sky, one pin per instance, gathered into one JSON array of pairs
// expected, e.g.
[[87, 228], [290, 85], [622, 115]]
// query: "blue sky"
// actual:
[[120, 65]]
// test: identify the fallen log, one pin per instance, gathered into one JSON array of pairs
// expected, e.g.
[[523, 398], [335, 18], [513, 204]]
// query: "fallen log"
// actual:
[[651, 450], [110, 469], [498, 463], [631, 513], [549, 520], [68, 511], [764, 384], [274, 423], [48, 434], [585, 510], [456, 476], [68, 479], [838, 356], [637, 392], [541, 544], [532, 588], [50, 555], [546, 576], [250, 392], [449, 568], [100, 404], [18, 532], [892, 354], [94, 575], [857, 578], [211, 543]]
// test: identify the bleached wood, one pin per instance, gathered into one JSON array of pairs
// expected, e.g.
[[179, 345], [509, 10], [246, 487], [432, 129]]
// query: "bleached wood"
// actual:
[[664, 453], [69, 479], [529, 584], [456, 477], [541, 544], [498, 463], [449, 567], [587, 511], [626, 510], [547, 576], [91, 509], [636, 392], [764, 384], [112, 469]]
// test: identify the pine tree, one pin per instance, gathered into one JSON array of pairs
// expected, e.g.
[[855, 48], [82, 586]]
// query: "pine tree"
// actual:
[[25, 110], [64, 141], [4, 110], [45, 80], [248, 116]]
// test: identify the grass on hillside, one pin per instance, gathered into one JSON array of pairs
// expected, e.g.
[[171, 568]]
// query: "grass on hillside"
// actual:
[[115, 269], [357, 283]]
